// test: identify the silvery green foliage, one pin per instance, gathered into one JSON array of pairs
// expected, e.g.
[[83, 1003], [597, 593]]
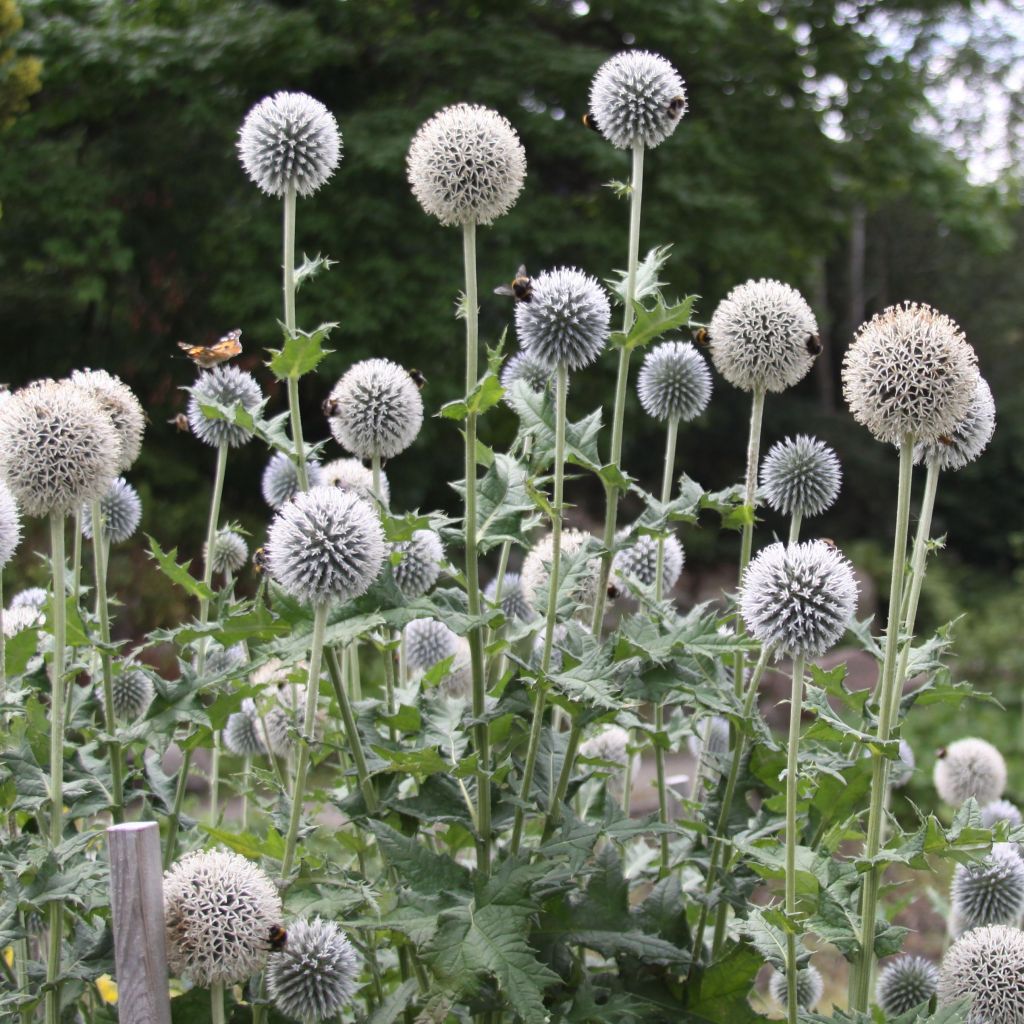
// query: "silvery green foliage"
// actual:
[[969, 768], [280, 481], [759, 336], [10, 525], [527, 367], [906, 982], [537, 571], [34, 597], [801, 476], [132, 692], [989, 892], [58, 448], [798, 599], [910, 372], [567, 320], [639, 560], [513, 602], [25, 616], [316, 975], [986, 965], [121, 405], [420, 566], [1000, 810], [230, 552], [352, 475], [610, 744], [226, 386], [289, 139], [243, 731], [902, 771], [637, 97], [325, 545], [376, 409], [466, 165], [969, 438], [219, 909], [810, 987], [121, 510], [458, 680], [674, 382], [221, 660], [428, 641]]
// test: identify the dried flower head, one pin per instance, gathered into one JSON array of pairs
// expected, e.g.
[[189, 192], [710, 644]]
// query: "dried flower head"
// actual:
[[243, 731], [219, 909], [986, 965], [376, 409], [902, 771], [906, 982], [910, 371], [120, 509], [58, 448], [325, 545], [352, 475], [610, 744], [801, 476], [466, 165], [132, 693], [25, 616], [527, 367], [513, 601], [230, 552], [674, 382], [1001, 810], [316, 974], [536, 572], [226, 386], [280, 482], [798, 598], [428, 641], [810, 986], [639, 561], [289, 139], [120, 403], [969, 438], [969, 767], [991, 891], [421, 561], [33, 597], [10, 525], [637, 97]]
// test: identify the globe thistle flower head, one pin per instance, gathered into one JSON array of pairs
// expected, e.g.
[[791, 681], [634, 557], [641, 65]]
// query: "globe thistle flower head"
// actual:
[[536, 572], [989, 892], [280, 481], [227, 386], [428, 641], [120, 509], [810, 986], [710, 737], [58, 448], [221, 660], [801, 476], [25, 616], [10, 525], [527, 367], [1001, 810], [219, 909], [316, 975], [352, 475], [637, 97], [230, 552], [969, 438], [904, 983], [132, 692], [466, 165], [910, 371], [420, 566], [513, 602], [289, 139], [376, 409], [798, 598], [284, 718], [987, 965], [325, 545], [639, 561], [242, 733], [120, 403], [567, 319], [969, 768], [610, 744], [458, 680], [674, 382], [902, 771], [33, 597]]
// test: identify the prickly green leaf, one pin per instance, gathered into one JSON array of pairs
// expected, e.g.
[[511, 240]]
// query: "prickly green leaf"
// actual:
[[311, 267], [653, 323], [177, 574], [301, 353]]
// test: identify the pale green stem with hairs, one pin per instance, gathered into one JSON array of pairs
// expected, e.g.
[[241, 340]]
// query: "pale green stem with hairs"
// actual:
[[792, 791], [351, 730], [217, 1002], [76, 556], [572, 745], [3, 651], [496, 665], [794, 527], [246, 769], [289, 323]]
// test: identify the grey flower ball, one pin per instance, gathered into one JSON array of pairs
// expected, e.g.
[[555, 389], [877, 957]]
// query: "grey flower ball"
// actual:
[[120, 403], [513, 602], [242, 734], [280, 481], [33, 597], [230, 552], [674, 382], [536, 572], [458, 680], [611, 743], [421, 561], [221, 660], [352, 475], [284, 719], [132, 692], [906, 982], [10, 525], [708, 746], [986, 965], [801, 476], [902, 771], [639, 560], [1001, 810], [969, 768], [810, 986], [226, 386], [989, 892], [26, 616], [121, 511], [969, 438], [428, 641], [527, 367]]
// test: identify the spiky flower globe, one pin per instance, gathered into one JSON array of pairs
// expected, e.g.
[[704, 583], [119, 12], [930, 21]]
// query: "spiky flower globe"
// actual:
[[25, 616], [225, 386], [969, 438], [610, 744], [466, 165], [710, 737], [221, 660], [289, 139], [284, 718], [639, 561], [910, 371], [989, 892], [58, 448], [352, 475], [902, 771], [1001, 810], [315, 976], [801, 476], [969, 768], [536, 572], [243, 731], [230, 552], [219, 909], [428, 641], [376, 409], [906, 982], [567, 319], [10, 525], [132, 692], [637, 97], [325, 545], [420, 565], [987, 966], [513, 601], [280, 482], [31, 597], [674, 382], [528, 368], [121, 509], [798, 598], [810, 986], [120, 403], [458, 680]]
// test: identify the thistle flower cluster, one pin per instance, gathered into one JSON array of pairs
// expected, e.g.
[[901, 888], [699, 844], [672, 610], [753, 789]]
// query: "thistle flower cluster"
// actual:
[[221, 660], [969, 768], [708, 744], [513, 602], [280, 481], [987, 966], [674, 382], [989, 892], [610, 744], [639, 561], [243, 731], [132, 692], [1001, 810], [352, 475], [529, 368], [226, 386], [904, 983], [230, 552], [536, 573], [810, 986], [30, 597], [121, 512], [902, 771], [969, 438], [420, 564], [120, 403], [801, 476], [17, 620], [10, 525], [428, 641]]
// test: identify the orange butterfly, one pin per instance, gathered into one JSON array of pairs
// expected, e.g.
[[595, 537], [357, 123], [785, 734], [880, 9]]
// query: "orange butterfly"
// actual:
[[208, 356]]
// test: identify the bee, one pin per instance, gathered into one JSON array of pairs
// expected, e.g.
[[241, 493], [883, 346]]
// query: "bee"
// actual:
[[676, 106], [418, 378], [208, 356], [521, 288], [701, 338], [259, 559], [613, 592], [180, 422], [590, 122], [829, 543], [330, 407], [946, 440], [278, 938], [814, 345]]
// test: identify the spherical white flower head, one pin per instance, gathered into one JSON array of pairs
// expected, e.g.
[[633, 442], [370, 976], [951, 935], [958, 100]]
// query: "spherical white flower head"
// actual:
[[969, 438], [243, 732], [810, 986], [219, 909], [132, 692], [352, 475], [316, 974], [376, 409], [513, 601], [33, 597], [17, 620], [458, 680], [567, 319], [969, 767], [989, 892], [230, 552], [227, 386], [121, 405], [1001, 810], [289, 139], [674, 382], [274, 671], [58, 448], [284, 718], [428, 641], [987, 965], [610, 744], [221, 660], [537, 571], [120, 509], [910, 371], [466, 165], [280, 482], [637, 97], [801, 476], [525, 366], [325, 545], [639, 561], [761, 336], [904, 983], [902, 771], [421, 561], [705, 740], [10, 525]]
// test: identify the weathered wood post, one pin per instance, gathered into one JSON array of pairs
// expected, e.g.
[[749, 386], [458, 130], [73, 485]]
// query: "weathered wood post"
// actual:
[[137, 906]]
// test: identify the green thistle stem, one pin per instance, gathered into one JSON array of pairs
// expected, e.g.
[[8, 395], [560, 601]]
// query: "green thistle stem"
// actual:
[[217, 1002], [497, 663], [572, 745], [288, 264], [211, 535], [76, 557], [3, 652], [794, 527], [246, 769], [792, 787], [174, 818], [351, 731], [749, 499]]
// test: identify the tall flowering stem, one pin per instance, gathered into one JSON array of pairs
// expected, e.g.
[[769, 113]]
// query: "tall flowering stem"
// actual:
[[749, 499], [211, 537], [290, 324], [792, 791], [351, 729]]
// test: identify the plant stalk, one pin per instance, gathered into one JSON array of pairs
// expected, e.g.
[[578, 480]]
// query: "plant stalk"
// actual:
[[572, 745], [288, 287], [792, 791], [749, 499], [217, 1002], [351, 731]]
